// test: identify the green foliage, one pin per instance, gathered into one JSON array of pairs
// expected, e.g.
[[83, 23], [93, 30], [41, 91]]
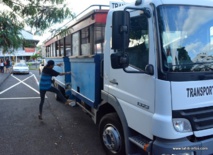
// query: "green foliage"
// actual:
[[28, 43], [10, 36], [38, 14], [36, 56]]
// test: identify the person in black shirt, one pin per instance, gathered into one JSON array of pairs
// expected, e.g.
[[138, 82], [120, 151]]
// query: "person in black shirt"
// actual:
[[45, 85], [7, 65]]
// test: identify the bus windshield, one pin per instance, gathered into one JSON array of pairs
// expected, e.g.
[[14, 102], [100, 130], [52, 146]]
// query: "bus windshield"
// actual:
[[186, 34]]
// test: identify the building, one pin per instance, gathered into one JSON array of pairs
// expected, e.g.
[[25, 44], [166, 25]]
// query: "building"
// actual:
[[26, 51]]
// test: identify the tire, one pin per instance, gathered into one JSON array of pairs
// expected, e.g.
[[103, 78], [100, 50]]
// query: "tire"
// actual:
[[111, 135]]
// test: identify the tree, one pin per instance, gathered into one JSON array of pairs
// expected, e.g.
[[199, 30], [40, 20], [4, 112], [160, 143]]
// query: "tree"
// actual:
[[38, 14], [36, 56], [10, 36]]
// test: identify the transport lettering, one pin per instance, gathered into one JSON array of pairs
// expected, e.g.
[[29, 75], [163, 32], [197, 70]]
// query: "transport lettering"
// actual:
[[199, 91], [116, 4]]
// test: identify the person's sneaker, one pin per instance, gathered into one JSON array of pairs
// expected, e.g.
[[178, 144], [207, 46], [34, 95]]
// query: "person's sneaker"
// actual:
[[40, 117], [72, 104], [68, 102]]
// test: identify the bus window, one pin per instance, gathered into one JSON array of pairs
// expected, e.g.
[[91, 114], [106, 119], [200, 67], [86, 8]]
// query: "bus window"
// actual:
[[68, 45], [53, 49], [48, 51], [75, 44], [85, 41], [99, 39], [61, 52], [57, 48]]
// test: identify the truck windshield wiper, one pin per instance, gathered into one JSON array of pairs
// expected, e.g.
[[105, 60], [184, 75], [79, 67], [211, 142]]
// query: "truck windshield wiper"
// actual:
[[191, 67], [202, 66]]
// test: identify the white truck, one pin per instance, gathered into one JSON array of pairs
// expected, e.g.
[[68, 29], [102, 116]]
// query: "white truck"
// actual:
[[153, 92], [160, 82]]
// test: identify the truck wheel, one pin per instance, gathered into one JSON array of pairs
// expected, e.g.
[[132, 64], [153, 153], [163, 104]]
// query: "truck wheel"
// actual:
[[111, 135]]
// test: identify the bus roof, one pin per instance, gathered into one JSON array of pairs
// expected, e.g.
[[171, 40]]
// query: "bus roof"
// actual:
[[93, 14]]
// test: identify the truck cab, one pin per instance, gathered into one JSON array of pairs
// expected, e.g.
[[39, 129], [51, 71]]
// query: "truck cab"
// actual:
[[158, 65]]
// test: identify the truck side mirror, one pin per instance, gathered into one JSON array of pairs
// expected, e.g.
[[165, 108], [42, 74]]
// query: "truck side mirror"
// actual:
[[119, 60], [120, 29], [149, 69]]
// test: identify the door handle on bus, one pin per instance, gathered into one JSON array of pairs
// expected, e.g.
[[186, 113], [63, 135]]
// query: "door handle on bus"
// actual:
[[113, 81]]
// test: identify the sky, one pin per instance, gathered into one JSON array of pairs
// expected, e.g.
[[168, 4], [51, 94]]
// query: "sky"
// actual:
[[77, 7]]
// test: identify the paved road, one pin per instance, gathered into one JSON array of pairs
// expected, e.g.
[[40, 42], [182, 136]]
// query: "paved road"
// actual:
[[65, 130]]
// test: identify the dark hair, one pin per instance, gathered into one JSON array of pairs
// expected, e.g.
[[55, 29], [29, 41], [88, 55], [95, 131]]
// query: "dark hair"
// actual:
[[50, 63]]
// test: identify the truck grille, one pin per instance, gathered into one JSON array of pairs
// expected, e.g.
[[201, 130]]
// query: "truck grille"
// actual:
[[200, 118]]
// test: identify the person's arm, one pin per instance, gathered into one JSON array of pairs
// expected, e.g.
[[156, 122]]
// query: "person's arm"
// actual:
[[59, 65], [65, 73]]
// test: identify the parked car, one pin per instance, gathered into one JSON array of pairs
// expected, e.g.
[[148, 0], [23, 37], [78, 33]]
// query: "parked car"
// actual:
[[41, 66], [20, 68]]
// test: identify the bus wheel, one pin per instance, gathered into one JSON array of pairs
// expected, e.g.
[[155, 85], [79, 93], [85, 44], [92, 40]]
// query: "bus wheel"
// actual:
[[111, 134]]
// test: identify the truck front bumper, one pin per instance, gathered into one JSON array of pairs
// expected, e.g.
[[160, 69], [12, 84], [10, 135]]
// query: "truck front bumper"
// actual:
[[181, 146]]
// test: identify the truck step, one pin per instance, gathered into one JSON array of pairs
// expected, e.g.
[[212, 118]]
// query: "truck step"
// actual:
[[140, 142]]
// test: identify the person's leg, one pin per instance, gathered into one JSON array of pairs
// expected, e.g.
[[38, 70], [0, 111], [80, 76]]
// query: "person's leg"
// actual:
[[42, 96], [7, 69], [60, 95]]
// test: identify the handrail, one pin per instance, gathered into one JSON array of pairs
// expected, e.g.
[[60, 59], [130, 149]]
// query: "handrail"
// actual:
[[95, 5], [91, 7]]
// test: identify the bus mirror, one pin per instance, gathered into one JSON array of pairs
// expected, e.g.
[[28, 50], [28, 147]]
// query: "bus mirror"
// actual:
[[120, 30], [119, 60]]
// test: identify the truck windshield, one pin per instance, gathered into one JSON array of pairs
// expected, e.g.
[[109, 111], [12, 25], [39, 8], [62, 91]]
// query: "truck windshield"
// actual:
[[186, 34]]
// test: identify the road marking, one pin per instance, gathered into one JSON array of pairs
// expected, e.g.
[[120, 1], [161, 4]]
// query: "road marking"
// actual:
[[12, 86], [20, 98], [26, 84], [22, 81], [36, 79]]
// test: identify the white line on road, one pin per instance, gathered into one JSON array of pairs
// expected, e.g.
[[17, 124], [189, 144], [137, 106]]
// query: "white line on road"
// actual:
[[20, 98], [27, 84], [36, 79], [22, 81], [14, 85]]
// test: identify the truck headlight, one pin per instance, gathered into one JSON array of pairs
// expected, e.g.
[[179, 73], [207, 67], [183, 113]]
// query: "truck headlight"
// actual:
[[182, 125]]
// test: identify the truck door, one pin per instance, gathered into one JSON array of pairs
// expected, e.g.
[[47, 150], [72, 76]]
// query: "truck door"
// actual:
[[135, 91]]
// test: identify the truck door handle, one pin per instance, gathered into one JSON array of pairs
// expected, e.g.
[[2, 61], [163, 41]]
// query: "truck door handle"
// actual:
[[113, 81]]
